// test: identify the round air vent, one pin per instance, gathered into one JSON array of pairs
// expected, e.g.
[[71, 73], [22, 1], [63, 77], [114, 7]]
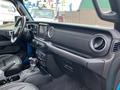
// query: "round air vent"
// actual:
[[98, 43], [51, 31]]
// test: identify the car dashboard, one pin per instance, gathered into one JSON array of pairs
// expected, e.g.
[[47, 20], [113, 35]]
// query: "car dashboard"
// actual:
[[76, 49]]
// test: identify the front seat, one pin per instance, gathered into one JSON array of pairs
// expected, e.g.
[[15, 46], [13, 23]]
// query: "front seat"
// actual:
[[18, 86], [6, 60]]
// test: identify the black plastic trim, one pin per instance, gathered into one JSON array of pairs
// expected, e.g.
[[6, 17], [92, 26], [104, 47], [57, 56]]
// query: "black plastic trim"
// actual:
[[99, 63]]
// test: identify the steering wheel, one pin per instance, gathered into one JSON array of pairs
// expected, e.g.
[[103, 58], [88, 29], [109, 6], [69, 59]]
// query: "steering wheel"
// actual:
[[19, 28]]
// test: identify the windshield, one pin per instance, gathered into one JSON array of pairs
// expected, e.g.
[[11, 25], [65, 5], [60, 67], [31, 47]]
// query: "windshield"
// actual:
[[67, 11], [42, 13]]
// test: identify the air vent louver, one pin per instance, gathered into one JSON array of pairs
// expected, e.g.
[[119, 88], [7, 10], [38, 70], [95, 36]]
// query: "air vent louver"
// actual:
[[51, 32], [116, 47], [98, 43]]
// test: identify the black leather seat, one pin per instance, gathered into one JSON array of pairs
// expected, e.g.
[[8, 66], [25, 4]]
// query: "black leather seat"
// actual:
[[16, 68], [18, 86], [8, 59]]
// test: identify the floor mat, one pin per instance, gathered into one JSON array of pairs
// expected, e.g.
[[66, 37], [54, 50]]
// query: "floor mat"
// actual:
[[64, 83]]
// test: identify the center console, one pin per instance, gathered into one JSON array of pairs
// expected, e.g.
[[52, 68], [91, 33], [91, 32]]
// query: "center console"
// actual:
[[22, 76], [28, 73], [40, 34], [33, 70], [41, 54]]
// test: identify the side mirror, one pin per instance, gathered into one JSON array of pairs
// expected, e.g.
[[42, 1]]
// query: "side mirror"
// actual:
[[109, 16]]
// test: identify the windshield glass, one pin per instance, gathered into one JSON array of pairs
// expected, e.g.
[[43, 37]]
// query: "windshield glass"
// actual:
[[42, 13], [67, 11]]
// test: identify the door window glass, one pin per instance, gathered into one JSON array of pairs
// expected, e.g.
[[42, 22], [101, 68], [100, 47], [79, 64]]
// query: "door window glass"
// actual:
[[7, 15]]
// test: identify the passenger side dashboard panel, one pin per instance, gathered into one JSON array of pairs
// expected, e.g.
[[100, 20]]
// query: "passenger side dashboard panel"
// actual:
[[92, 44]]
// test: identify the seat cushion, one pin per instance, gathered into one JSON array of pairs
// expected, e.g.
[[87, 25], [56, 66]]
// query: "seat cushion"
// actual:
[[7, 59], [18, 86]]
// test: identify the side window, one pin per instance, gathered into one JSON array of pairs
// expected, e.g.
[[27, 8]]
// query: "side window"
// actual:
[[7, 15]]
